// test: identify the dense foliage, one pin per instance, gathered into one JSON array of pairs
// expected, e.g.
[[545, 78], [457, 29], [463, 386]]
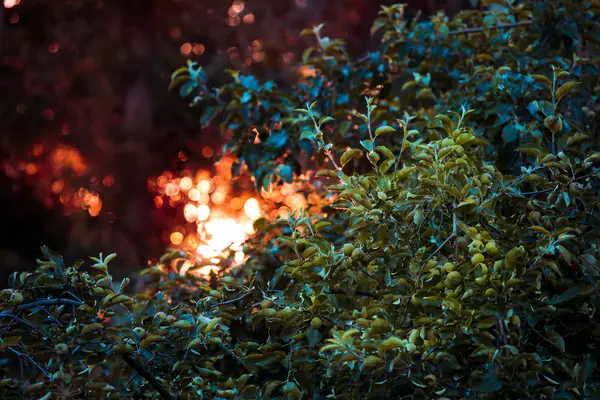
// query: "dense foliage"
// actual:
[[452, 252]]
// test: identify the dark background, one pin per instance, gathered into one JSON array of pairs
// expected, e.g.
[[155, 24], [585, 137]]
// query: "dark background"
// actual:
[[93, 75]]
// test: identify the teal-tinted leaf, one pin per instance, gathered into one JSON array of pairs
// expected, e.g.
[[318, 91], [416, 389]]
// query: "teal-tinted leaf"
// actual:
[[277, 139], [285, 173], [509, 133], [246, 97], [187, 89], [55, 258], [308, 135], [489, 383], [562, 396], [567, 295], [249, 82], [367, 144]]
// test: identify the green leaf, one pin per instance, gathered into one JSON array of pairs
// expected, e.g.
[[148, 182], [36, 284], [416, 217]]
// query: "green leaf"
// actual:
[[385, 166], [543, 80], [382, 130], [564, 89], [9, 341], [324, 120], [387, 152], [566, 254], [446, 122], [349, 155], [308, 135], [554, 338]]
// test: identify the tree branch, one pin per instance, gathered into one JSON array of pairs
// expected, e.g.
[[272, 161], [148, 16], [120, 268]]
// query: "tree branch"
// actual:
[[47, 302], [466, 31], [152, 380], [440, 247], [358, 292], [31, 360]]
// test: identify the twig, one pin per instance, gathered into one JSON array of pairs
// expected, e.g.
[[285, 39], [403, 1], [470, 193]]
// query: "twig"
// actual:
[[131, 380], [481, 29], [440, 247], [29, 324], [358, 292], [537, 192], [152, 380], [232, 300], [47, 302], [503, 335], [31, 360], [289, 375]]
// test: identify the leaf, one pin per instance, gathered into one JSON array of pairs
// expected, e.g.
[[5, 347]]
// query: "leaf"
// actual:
[[55, 258], [554, 338], [387, 152], [567, 295], [277, 140], [489, 383], [212, 324], [408, 85], [542, 79], [372, 361], [566, 254], [576, 138], [367, 144], [149, 340], [349, 155], [246, 97], [385, 166], [446, 122], [564, 89], [91, 327], [9, 341], [540, 229], [390, 343], [122, 348], [382, 130], [324, 120], [183, 324], [308, 135], [187, 88], [178, 81], [347, 337]]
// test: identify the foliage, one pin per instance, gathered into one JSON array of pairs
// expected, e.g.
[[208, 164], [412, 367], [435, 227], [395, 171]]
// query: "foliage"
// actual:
[[439, 265]]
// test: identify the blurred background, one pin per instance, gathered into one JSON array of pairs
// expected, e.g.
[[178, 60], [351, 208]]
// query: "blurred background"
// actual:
[[96, 155]]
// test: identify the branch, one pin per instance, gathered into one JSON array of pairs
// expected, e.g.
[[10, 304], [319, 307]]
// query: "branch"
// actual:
[[481, 29], [440, 247], [29, 324], [152, 380], [232, 300], [31, 360], [358, 292], [47, 302]]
